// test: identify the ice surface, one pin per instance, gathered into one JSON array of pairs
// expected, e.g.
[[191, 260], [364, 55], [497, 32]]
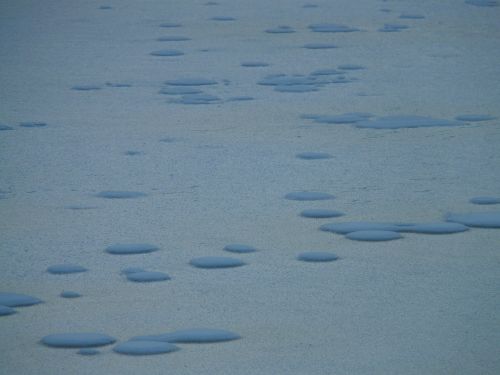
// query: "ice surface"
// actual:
[[170, 25], [211, 168], [280, 30], [33, 124], [311, 155], [173, 38], [88, 351], [77, 340], [144, 347]]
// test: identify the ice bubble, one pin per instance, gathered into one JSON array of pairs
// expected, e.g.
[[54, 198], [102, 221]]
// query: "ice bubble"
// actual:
[[216, 262], [240, 248], [62, 269], [77, 340], [373, 235], [134, 248], [308, 196], [145, 347], [320, 213], [317, 256]]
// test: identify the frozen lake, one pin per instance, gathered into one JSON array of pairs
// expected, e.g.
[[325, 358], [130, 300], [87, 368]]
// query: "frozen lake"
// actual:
[[250, 187]]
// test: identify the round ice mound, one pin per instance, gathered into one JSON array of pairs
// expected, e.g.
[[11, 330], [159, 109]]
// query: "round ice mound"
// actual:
[[145, 348], [308, 196], [318, 213], [147, 276], [193, 336], [239, 248], [77, 340], [17, 300], [128, 249], [313, 155], [6, 310], [63, 269], [167, 53], [70, 294], [118, 194], [485, 200], [478, 219], [317, 256], [373, 235], [355, 226], [436, 228], [216, 262]]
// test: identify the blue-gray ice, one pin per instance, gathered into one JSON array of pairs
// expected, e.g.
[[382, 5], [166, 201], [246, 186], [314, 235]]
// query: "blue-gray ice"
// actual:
[[311, 155], [62, 269], [6, 310], [317, 256], [373, 235], [191, 82], [120, 194], [477, 219], [131, 248], [355, 226], [17, 300], [167, 53], [145, 347], [77, 340], [475, 118], [147, 276], [399, 122], [239, 248], [216, 262], [193, 336], [308, 196], [331, 28], [70, 294], [320, 213], [485, 200]]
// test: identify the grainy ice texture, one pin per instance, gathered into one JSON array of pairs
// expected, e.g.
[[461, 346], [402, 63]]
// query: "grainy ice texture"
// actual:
[[156, 144]]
